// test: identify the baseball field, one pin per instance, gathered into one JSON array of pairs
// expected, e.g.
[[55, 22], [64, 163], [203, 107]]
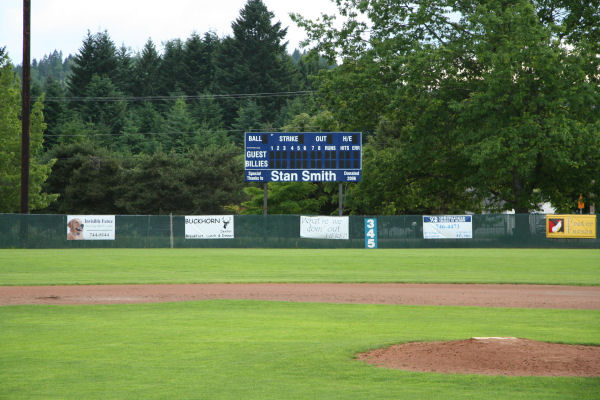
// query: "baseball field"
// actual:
[[257, 349]]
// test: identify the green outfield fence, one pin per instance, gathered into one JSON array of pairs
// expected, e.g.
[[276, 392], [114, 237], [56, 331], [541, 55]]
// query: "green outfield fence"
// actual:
[[282, 231]]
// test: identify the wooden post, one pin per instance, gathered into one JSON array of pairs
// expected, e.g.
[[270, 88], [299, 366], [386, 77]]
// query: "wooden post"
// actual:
[[25, 108]]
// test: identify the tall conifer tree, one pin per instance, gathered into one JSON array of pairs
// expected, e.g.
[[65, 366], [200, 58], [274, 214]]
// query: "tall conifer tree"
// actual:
[[172, 69], [146, 71], [97, 56], [199, 68], [254, 60]]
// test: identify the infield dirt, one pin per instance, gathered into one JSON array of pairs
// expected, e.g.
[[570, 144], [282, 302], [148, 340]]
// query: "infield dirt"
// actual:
[[522, 296]]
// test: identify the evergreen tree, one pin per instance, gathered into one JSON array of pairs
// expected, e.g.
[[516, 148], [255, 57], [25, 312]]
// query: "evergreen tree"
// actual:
[[294, 107], [214, 179], [73, 129], [108, 116], [51, 65], [146, 72], [198, 60], [254, 60], [55, 112], [132, 139], [229, 73], [100, 176], [207, 112], [172, 69], [69, 157], [180, 129], [97, 56], [154, 185], [123, 78], [201, 181], [249, 118], [296, 56], [150, 120]]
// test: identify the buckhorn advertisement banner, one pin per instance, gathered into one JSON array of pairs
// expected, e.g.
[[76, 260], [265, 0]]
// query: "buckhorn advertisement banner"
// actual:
[[570, 226], [209, 227]]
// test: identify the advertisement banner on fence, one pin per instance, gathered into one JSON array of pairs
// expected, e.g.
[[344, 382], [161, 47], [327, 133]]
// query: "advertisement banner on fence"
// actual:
[[324, 227], [571, 226], [448, 227], [209, 227], [90, 227]]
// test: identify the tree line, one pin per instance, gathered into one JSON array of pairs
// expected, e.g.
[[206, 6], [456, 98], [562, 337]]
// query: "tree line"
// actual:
[[464, 106]]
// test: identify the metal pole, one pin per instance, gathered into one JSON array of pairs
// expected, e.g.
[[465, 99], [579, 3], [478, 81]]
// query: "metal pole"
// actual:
[[265, 225], [171, 227], [340, 200], [25, 108], [265, 191]]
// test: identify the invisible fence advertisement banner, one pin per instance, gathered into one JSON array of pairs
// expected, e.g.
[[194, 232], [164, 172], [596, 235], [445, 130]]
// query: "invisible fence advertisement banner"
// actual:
[[324, 227], [447, 227], [209, 227], [90, 227], [571, 226]]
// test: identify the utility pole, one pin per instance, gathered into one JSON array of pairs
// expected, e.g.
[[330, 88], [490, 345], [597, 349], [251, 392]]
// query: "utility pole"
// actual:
[[340, 201], [25, 108]]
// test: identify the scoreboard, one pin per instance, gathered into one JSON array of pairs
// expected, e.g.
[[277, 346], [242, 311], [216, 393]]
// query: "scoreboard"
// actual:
[[303, 157]]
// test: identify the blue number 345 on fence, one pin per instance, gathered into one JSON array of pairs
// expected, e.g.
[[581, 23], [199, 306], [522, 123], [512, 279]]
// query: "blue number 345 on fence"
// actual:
[[370, 233]]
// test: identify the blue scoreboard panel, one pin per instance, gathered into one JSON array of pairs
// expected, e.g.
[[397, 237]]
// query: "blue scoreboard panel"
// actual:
[[303, 157]]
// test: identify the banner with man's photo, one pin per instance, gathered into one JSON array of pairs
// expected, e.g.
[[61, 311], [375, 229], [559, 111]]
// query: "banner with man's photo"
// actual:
[[209, 227], [90, 227]]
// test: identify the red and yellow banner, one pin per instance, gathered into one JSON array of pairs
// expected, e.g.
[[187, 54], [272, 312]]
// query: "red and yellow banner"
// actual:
[[571, 226]]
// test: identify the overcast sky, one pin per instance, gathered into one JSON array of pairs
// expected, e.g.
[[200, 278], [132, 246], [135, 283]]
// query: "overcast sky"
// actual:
[[63, 24]]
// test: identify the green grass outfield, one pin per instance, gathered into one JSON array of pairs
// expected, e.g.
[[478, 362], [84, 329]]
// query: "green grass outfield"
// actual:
[[121, 266], [275, 350], [264, 350]]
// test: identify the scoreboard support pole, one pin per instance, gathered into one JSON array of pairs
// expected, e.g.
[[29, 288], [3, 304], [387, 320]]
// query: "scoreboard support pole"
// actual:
[[265, 191], [340, 199]]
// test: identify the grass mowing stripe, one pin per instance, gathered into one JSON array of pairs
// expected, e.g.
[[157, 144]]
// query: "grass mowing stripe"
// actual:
[[120, 266], [264, 350]]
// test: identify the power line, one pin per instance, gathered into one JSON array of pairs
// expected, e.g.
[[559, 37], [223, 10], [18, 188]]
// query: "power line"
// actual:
[[100, 158], [179, 97], [200, 131], [144, 133]]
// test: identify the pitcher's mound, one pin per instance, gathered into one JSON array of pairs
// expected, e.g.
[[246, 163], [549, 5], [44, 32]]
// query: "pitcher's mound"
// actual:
[[490, 356]]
